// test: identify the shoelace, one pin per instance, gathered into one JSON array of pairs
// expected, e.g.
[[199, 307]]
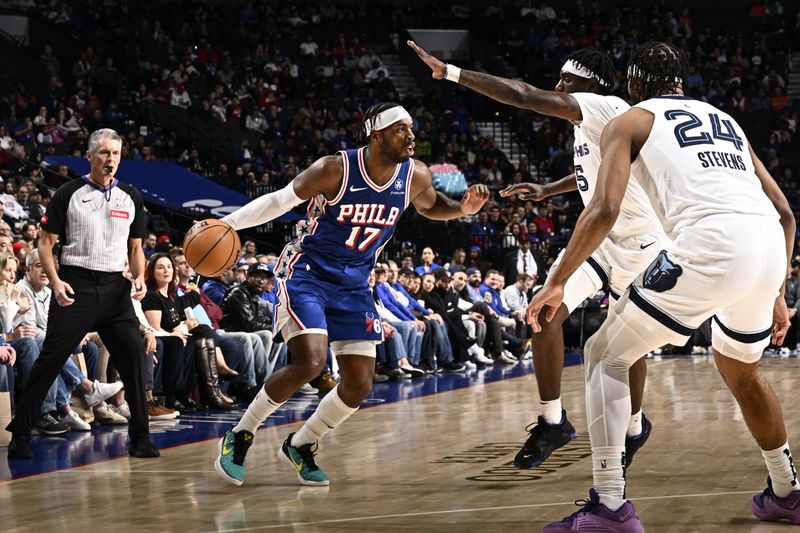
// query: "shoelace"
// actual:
[[586, 506], [306, 451]]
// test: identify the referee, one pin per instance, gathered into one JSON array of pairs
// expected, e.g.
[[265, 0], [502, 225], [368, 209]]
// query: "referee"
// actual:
[[100, 223]]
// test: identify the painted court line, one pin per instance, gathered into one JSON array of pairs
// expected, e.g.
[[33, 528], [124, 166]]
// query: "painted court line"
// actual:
[[468, 510]]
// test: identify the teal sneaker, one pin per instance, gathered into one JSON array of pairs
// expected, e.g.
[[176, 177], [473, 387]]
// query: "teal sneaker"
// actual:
[[301, 459], [232, 451]]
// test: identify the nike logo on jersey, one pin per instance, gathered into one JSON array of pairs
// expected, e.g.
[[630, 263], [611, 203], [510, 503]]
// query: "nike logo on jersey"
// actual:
[[356, 189], [87, 200], [643, 246]]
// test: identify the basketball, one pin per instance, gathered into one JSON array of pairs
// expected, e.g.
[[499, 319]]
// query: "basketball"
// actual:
[[211, 247]]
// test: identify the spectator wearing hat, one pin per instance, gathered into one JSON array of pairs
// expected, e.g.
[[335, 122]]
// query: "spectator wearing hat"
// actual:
[[475, 259], [239, 273], [242, 309], [163, 243]]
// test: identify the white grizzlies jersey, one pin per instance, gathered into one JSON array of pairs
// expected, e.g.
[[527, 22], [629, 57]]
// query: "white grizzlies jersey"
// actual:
[[636, 213], [696, 163]]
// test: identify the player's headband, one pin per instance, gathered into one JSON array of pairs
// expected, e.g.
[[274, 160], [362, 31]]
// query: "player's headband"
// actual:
[[573, 67], [636, 72], [384, 119]]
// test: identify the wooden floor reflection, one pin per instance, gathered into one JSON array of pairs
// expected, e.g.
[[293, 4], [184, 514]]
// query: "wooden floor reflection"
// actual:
[[439, 463]]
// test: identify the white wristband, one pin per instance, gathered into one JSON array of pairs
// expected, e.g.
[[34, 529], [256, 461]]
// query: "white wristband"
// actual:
[[452, 73]]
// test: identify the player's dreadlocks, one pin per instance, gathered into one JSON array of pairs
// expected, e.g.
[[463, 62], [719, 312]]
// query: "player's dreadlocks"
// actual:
[[599, 64], [372, 112], [659, 67]]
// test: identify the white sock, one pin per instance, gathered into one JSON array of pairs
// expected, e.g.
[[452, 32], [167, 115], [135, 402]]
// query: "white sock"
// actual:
[[260, 408], [635, 425], [551, 410], [781, 470], [330, 413], [609, 476]]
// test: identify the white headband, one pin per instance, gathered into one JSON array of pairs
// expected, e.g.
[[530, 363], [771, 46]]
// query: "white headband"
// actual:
[[384, 119], [573, 67]]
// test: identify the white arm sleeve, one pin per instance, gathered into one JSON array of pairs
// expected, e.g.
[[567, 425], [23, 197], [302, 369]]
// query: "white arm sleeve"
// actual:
[[264, 208]]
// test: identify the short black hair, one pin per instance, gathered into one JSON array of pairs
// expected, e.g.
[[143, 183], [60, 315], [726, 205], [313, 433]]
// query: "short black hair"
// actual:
[[660, 67], [599, 64], [369, 118]]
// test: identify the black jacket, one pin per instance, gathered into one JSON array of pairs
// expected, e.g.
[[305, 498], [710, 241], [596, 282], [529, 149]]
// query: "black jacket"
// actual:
[[240, 310]]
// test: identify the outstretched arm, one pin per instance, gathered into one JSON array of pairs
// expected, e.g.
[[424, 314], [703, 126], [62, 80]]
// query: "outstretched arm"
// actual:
[[623, 136], [537, 192], [435, 205], [324, 176], [504, 90]]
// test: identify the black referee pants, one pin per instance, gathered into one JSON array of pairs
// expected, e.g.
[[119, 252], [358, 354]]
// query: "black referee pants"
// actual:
[[102, 304]]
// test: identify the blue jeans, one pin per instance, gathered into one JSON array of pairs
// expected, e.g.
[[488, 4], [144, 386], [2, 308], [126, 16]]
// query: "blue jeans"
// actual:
[[71, 376], [27, 349], [444, 350], [252, 362], [411, 338]]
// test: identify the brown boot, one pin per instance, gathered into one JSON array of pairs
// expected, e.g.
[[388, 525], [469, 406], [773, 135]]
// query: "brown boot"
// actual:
[[206, 361]]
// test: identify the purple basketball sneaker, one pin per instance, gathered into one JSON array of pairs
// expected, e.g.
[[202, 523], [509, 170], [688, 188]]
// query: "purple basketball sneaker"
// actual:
[[767, 506], [594, 516]]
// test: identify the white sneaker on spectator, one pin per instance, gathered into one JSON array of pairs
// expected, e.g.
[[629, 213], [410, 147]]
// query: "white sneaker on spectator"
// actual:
[[475, 350], [411, 370], [470, 365], [482, 359], [104, 414], [307, 389], [527, 355], [75, 422], [101, 392], [122, 410], [507, 358]]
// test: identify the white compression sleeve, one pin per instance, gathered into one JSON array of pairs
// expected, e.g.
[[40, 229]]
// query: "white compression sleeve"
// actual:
[[264, 208]]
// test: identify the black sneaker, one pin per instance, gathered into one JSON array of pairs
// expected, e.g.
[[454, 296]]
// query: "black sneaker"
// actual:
[[48, 425], [143, 447], [20, 447], [452, 366], [632, 444], [543, 440]]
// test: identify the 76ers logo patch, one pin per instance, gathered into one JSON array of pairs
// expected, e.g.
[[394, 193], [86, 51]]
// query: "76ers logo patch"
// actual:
[[373, 323]]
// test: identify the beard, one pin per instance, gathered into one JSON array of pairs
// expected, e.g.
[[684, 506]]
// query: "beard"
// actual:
[[475, 283]]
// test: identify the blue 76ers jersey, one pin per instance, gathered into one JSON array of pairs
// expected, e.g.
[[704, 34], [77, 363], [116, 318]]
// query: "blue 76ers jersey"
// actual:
[[344, 236]]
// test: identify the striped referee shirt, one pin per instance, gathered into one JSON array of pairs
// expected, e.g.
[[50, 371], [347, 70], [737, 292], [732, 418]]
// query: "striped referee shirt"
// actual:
[[95, 223]]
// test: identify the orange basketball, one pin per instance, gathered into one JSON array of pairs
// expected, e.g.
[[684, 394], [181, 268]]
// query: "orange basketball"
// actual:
[[211, 247]]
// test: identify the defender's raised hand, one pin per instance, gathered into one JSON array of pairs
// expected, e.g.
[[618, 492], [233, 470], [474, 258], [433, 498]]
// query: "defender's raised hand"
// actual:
[[437, 67]]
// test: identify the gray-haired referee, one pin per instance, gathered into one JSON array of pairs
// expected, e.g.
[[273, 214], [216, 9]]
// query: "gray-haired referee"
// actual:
[[100, 223]]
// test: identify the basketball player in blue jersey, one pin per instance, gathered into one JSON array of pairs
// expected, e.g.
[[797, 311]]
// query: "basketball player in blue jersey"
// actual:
[[732, 233], [581, 96], [356, 199]]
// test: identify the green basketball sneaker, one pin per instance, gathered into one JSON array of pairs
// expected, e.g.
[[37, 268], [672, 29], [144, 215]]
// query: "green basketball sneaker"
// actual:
[[232, 451], [301, 459]]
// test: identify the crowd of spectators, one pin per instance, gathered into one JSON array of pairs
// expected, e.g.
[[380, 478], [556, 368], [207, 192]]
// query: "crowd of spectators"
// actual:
[[287, 83]]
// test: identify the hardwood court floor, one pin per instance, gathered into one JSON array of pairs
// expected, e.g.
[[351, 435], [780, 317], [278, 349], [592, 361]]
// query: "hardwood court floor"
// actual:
[[437, 463]]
